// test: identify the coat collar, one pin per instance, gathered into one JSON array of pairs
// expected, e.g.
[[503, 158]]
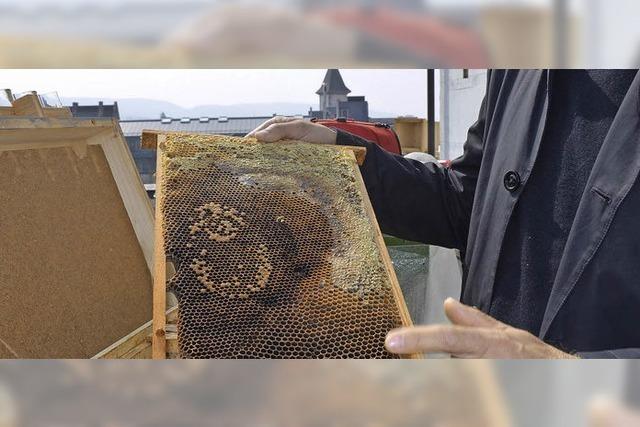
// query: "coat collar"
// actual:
[[614, 173]]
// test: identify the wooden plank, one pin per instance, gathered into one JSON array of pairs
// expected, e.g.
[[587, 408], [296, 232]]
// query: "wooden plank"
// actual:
[[395, 285], [159, 347], [131, 188], [27, 133], [137, 339], [57, 112], [124, 345], [149, 140], [7, 144], [51, 123], [359, 152], [28, 105], [141, 351]]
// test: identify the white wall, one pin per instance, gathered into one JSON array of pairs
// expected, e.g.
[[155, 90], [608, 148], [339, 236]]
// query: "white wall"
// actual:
[[460, 100]]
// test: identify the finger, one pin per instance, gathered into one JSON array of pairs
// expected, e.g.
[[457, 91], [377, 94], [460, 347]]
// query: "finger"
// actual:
[[275, 132], [459, 341], [263, 125], [266, 124], [463, 315]]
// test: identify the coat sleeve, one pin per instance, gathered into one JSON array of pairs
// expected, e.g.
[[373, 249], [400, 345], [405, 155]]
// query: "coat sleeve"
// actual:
[[623, 353], [427, 203]]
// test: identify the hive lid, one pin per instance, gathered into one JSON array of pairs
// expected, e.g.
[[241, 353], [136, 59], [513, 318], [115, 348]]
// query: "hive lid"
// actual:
[[77, 238]]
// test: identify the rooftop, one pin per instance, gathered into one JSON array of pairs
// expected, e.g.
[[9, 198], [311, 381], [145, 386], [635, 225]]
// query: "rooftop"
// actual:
[[333, 84], [209, 125]]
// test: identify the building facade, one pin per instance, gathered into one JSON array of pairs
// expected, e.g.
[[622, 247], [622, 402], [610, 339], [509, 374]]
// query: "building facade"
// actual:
[[334, 100], [101, 110], [461, 93]]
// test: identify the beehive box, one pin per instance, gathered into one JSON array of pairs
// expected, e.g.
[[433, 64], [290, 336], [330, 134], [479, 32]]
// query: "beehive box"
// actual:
[[412, 132], [76, 229], [275, 249]]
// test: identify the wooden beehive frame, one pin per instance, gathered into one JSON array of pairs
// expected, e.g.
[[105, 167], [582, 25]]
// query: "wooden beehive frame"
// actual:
[[163, 330], [28, 125]]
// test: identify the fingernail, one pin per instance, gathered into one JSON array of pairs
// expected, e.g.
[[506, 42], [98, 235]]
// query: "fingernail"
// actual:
[[451, 301], [394, 342]]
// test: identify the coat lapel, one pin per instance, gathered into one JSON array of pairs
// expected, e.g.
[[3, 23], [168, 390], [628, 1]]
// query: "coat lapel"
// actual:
[[614, 173], [511, 146]]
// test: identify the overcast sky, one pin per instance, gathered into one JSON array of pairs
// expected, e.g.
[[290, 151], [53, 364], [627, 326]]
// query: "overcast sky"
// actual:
[[398, 92]]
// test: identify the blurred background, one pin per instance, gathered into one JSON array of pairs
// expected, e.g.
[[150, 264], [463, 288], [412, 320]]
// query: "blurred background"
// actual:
[[314, 34], [305, 33], [437, 393]]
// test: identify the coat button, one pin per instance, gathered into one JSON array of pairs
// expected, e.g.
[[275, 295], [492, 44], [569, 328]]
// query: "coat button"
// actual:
[[512, 181]]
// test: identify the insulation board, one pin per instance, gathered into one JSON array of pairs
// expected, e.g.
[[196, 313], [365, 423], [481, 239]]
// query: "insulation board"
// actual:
[[73, 278]]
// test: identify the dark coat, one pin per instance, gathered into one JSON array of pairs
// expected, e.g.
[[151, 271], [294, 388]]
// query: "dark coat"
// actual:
[[594, 307]]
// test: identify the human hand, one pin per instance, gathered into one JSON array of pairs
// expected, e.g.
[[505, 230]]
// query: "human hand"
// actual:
[[279, 128], [473, 334]]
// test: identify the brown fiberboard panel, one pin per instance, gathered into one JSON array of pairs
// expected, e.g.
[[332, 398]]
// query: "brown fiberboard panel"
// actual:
[[276, 249], [73, 279]]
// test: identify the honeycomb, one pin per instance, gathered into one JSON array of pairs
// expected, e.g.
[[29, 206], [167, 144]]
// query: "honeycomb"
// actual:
[[274, 251]]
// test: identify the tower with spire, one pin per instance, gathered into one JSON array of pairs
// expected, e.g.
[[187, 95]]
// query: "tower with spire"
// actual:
[[334, 100], [332, 92]]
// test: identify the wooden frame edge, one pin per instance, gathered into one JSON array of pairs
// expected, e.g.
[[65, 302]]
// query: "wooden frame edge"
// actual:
[[27, 122], [159, 342], [359, 153], [149, 140], [130, 187], [386, 259], [140, 337]]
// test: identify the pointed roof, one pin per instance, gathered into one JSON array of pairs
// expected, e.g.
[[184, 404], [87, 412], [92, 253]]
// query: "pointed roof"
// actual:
[[333, 84]]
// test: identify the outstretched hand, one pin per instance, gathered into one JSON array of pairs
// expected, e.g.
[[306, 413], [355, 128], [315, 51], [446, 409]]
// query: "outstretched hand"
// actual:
[[279, 128], [472, 334]]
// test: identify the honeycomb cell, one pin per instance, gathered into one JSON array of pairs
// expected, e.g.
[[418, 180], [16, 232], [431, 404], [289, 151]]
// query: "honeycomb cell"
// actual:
[[273, 250]]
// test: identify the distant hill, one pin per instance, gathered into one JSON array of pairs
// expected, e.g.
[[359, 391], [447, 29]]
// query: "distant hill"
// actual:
[[141, 108]]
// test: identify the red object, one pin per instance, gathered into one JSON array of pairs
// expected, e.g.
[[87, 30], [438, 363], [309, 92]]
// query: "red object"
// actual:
[[428, 37], [378, 133]]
